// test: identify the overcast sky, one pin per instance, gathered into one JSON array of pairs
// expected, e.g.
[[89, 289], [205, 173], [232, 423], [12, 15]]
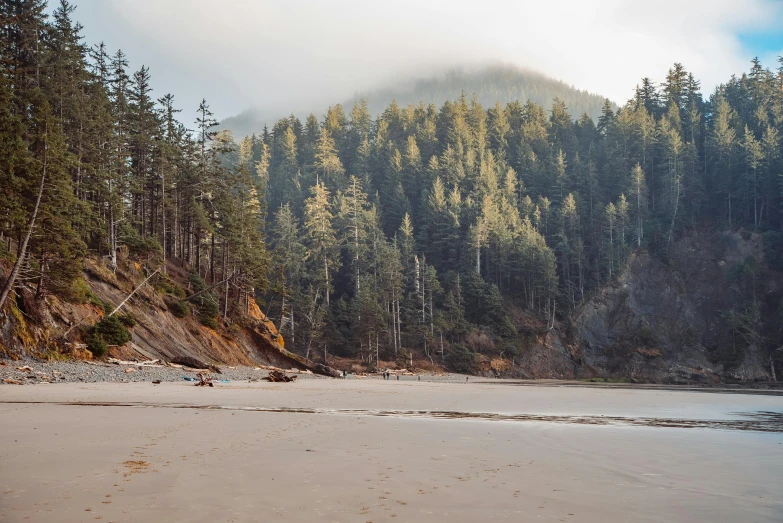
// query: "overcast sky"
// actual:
[[241, 53]]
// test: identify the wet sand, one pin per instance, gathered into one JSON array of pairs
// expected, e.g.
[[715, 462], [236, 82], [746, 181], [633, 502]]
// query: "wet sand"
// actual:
[[358, 451]]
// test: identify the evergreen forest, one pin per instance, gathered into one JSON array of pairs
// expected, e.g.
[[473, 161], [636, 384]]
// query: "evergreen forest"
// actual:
[[441, 230]]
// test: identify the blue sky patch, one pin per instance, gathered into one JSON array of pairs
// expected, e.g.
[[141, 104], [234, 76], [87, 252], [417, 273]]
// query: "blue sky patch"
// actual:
[[763, 43]]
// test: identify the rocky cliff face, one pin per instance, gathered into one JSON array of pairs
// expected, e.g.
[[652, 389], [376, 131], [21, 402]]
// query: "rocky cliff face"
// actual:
[[686, 320], [48, 327]]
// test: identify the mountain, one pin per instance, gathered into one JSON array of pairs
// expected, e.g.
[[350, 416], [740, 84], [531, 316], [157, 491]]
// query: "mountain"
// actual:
[[497, 83]]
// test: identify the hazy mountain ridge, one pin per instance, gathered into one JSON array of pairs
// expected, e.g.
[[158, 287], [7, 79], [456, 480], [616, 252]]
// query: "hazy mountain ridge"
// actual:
[[497, 83]]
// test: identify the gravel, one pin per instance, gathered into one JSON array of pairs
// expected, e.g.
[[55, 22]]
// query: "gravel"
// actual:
[[76, 371]]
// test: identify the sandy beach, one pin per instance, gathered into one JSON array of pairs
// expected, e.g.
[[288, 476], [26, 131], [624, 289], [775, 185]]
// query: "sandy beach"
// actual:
[[370, 450]]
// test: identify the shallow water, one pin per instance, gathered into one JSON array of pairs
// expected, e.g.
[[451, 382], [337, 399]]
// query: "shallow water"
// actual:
[[760, 421]]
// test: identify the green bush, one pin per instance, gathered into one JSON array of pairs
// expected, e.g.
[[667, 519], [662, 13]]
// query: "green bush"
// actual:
[[166, 285], [128, 320], [138, 245], [209, 321], [206, 303], [109, 331], [79, 292], [95, 300], [95, 344], [180, 309], [461, 359]]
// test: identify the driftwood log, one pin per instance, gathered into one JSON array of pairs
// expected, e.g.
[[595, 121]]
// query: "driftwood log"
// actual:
[[278, 376], [194, 363], [204, 380]]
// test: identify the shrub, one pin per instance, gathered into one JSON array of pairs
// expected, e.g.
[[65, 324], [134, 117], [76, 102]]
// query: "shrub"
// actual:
[[95, 300], [209, 321], [109, 331], [180, 309], [206, 303], [137, 245], [461, 359], [95, 344], [79, 292], [166, 285], [128, 320], [113, 331]]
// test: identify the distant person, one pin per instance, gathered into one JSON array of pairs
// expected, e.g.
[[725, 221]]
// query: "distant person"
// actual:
[[466, 379]]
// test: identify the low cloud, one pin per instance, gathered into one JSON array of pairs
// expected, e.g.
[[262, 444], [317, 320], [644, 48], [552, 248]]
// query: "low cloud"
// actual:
[[240, 53]]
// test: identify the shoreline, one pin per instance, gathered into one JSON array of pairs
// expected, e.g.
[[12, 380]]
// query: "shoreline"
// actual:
[[77, 371]]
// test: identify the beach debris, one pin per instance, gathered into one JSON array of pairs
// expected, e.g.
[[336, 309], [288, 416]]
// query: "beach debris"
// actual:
[[12, 381], [278, 376], [204, 380], [25, 368], [129, 370], [156, 382], [148, 363]]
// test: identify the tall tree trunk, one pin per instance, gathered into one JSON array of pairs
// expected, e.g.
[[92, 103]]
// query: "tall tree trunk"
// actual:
[[9, 282], [163, 217]]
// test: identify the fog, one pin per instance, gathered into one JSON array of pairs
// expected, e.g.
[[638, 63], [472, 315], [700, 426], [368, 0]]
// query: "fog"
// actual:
[[242, 53]]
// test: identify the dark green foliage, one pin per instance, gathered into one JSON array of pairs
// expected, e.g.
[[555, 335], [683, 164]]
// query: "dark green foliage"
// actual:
[[138, 245], [204, 301], [166, 285], [111, 330], [119, 174], [128, 320], [178, 308], [461, 359], [773, 249], [95, 344]]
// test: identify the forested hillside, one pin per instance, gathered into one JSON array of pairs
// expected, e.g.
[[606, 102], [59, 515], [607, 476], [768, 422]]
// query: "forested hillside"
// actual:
[[444, 230], [490, 84]]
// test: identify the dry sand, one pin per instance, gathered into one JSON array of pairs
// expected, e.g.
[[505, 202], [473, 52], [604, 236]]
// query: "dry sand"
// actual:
[[371, 450]]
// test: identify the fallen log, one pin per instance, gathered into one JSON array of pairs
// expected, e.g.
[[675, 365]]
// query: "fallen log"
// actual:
[[148, 363], [278, 376], [204, 380], [194, 363]]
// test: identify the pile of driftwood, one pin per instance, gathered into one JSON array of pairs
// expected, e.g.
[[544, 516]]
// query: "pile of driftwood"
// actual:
[[204, 380], [278, 376]]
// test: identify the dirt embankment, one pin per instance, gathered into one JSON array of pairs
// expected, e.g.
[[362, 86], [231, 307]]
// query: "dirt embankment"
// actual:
[[47, 327]]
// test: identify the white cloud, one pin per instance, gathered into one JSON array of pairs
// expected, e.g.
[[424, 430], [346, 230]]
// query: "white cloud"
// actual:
[[285, 52]]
